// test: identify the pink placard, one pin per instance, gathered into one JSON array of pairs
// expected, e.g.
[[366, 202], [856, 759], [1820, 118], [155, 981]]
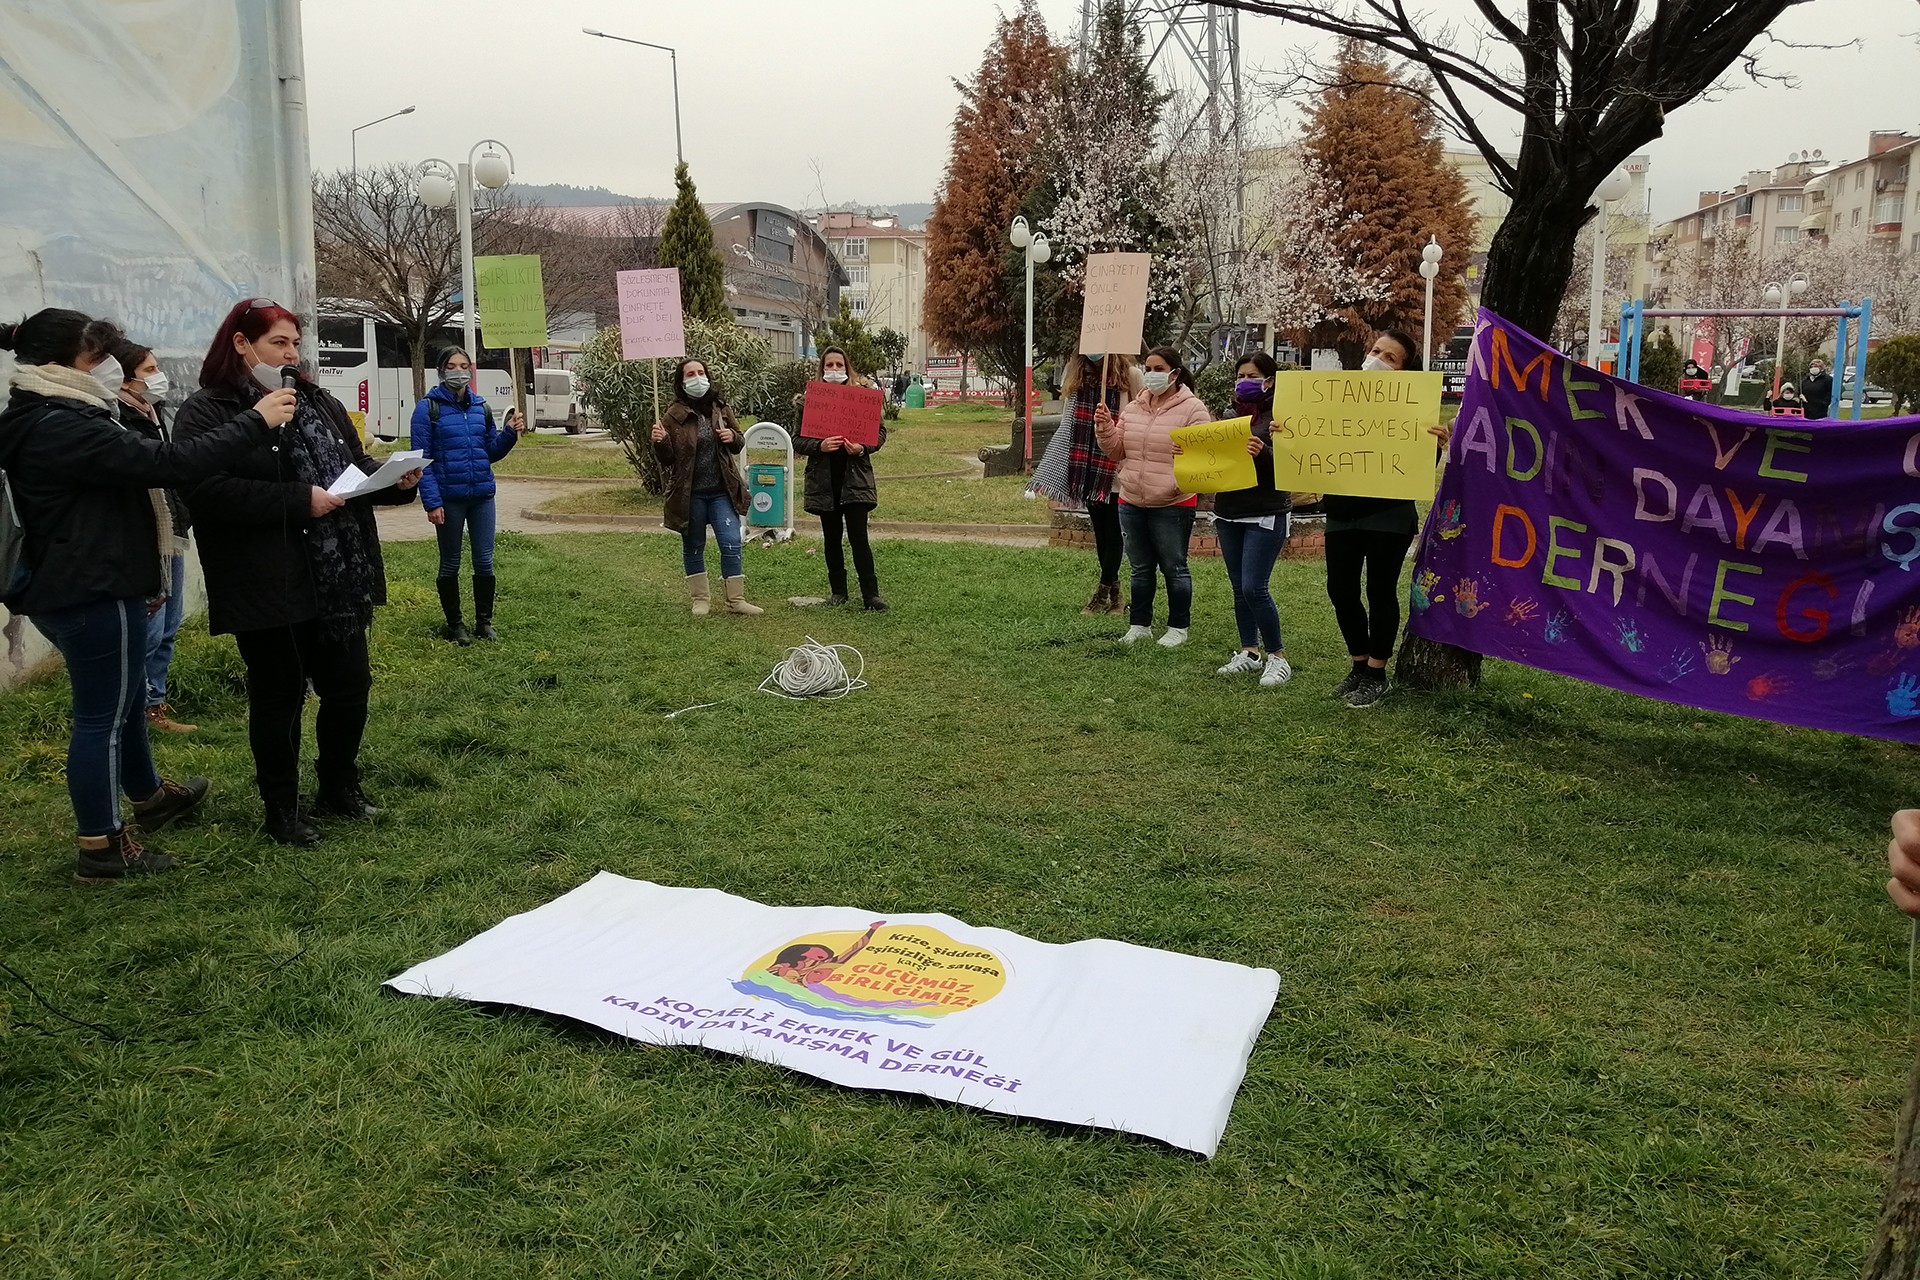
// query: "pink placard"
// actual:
[[650, 323]]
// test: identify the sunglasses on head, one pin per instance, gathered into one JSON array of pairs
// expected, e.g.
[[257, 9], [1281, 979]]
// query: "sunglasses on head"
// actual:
[[256, 304]]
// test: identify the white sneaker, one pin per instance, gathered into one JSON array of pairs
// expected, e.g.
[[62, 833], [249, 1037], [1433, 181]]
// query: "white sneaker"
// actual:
[[1174, 638], [1240, 662], [1137, 633], [1278, 671]]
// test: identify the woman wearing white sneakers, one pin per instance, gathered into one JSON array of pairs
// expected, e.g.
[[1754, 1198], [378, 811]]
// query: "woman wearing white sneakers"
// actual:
[[1252, 524], [1156, 518]]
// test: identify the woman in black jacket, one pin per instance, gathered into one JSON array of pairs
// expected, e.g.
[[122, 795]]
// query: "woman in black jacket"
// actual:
[[841, 490], [293, 572], [142, 409], [97, 537], [1252, 527]]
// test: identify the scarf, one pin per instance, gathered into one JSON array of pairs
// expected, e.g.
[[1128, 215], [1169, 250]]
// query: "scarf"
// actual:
[[336, 544], [1073, 469], [64, 383]]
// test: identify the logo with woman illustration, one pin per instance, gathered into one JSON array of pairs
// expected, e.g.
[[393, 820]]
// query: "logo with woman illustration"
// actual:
[[909, 975]]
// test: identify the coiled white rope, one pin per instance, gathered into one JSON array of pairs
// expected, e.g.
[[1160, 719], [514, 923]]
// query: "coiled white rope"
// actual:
[[810, 670], [815, 670]]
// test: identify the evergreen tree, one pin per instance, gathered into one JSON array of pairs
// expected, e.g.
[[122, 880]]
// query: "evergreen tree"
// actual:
[[686, 242], [974, 301], [1378, 142]]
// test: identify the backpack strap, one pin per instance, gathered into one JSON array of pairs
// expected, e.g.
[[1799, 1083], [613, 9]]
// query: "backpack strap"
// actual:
[[433, 411], [489, 412]]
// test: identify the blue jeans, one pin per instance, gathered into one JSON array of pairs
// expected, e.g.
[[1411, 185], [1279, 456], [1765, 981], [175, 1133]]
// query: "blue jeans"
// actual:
[[476, 516], [1249, 552], [162, 627], [105, 647], [713, 508], [1157, 544]]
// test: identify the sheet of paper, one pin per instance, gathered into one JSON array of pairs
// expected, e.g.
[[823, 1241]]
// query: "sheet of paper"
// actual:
[[354, 482], [1214, 457]]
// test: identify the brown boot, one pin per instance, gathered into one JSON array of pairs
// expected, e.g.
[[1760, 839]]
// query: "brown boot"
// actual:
[[161, 718], [116, 857], [697, 587], [1099, 602], [737, 597], [1114, 603]]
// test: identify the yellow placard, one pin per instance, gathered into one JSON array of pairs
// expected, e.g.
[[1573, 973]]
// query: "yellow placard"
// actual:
[[1360, 434], [1213, 457]]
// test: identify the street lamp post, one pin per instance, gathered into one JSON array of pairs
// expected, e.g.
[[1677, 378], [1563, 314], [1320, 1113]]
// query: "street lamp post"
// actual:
[[1616, 185], [1778, 296], [441, 182], [1034, 248], [353, 139], [1429, 268], [672, 54]]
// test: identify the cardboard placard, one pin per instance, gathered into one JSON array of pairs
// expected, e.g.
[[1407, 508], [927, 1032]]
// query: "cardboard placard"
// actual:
[[512, 300], [844, 410], [1115, 313], [1361, 434], [651, 326]]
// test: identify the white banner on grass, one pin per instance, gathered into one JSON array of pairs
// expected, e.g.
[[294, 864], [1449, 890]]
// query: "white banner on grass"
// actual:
[[1096, 1033]]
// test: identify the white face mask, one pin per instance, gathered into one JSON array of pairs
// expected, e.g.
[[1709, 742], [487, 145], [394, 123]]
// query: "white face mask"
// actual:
[[110, 375], [267, 375], [834, 375], [1157, 380], [1374, 364], [157, 386], [697, 387]]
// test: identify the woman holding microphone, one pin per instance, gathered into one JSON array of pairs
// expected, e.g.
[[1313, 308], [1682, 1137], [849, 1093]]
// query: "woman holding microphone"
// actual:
[[293, 572], [98, 542], [1156, 518], [455, 428]]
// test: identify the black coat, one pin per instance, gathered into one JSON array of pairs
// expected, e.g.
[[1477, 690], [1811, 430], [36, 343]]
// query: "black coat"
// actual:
[[839, 480], [252, 518], [1263, 499], [81, 480], [1818, 389], [161, 432]]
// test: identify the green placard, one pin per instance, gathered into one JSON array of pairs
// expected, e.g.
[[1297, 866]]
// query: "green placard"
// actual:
[[513, 305]]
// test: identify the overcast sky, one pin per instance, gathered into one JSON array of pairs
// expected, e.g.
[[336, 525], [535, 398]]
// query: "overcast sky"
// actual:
[[864, 88]]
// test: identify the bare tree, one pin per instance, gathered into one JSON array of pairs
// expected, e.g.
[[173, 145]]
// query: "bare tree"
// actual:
[[380, 253]]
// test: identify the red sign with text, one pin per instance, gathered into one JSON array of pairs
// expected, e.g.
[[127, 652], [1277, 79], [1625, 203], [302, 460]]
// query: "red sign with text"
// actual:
[[839, 409]]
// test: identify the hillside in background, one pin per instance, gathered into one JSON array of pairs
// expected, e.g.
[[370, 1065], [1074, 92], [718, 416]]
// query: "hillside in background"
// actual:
[[565, 195]]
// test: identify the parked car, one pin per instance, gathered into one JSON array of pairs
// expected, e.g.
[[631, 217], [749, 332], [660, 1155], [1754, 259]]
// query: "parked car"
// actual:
[[1875, 395], [555, 400]]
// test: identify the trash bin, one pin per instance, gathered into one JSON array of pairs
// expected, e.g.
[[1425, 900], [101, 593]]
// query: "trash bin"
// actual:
[[916, 395], [767, 495]]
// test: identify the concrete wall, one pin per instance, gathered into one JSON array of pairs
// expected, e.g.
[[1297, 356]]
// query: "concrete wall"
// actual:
[[27, 651]]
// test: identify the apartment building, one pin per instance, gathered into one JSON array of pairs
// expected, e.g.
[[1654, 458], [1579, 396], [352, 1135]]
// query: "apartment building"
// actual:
[[1869, 202], [886, 266]]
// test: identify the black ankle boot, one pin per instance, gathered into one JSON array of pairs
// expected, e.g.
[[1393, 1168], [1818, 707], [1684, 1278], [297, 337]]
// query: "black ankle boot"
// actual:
[[345, 802], [286, 826], [455, 630], [483, 608]]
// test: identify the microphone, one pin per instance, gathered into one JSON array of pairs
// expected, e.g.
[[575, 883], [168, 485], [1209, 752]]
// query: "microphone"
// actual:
[[289, 377]]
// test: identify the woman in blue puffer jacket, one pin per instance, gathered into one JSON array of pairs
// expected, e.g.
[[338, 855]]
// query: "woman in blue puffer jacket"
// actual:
[[455, 428]]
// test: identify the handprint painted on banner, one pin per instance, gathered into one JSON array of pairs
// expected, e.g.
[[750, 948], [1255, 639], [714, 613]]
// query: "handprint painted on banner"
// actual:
[[1631, 638], [1829, 668], [1450, 525], [1520, 611], [1903, 696], [1556, 632], [1678, 666], [1466, 598], [1760, 688], [1887, 661], [1720, 655], [1906, 633], [1422, 595]]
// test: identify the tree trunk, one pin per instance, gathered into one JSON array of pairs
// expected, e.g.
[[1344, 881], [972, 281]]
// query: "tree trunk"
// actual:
[[1527, 270], [1896, 1246]]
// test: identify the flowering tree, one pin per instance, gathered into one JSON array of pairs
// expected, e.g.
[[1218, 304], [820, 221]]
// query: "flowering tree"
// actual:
[[1296, 273]]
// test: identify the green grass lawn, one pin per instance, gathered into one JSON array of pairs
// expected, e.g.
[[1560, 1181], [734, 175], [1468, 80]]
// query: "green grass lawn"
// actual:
[[948, 500], [1572, 984], [565, 456]]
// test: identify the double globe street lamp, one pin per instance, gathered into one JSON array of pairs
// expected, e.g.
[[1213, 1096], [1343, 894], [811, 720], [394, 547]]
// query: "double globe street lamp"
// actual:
[[1035, 249], [440, 183], [1429, 269]]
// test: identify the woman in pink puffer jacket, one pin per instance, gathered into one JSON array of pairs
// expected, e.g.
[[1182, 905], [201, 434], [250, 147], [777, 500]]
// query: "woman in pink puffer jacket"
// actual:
[[1156, 518]]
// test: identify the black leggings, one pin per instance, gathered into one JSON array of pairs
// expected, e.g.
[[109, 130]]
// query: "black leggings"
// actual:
[[280, 662], [854, 521], [1108, 543], [1368, 629]]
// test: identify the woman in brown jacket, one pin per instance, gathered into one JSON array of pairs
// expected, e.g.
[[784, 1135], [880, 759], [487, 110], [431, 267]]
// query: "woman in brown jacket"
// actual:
[[697, 441]]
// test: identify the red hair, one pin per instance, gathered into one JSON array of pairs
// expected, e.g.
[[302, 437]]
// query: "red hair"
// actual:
[[226, 367]]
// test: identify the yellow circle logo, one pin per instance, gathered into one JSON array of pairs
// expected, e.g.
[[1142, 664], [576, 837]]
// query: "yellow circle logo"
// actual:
[[908, 974]]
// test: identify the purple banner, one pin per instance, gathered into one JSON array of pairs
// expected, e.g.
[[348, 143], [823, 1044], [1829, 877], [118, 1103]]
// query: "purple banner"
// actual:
[[1715, 558]]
